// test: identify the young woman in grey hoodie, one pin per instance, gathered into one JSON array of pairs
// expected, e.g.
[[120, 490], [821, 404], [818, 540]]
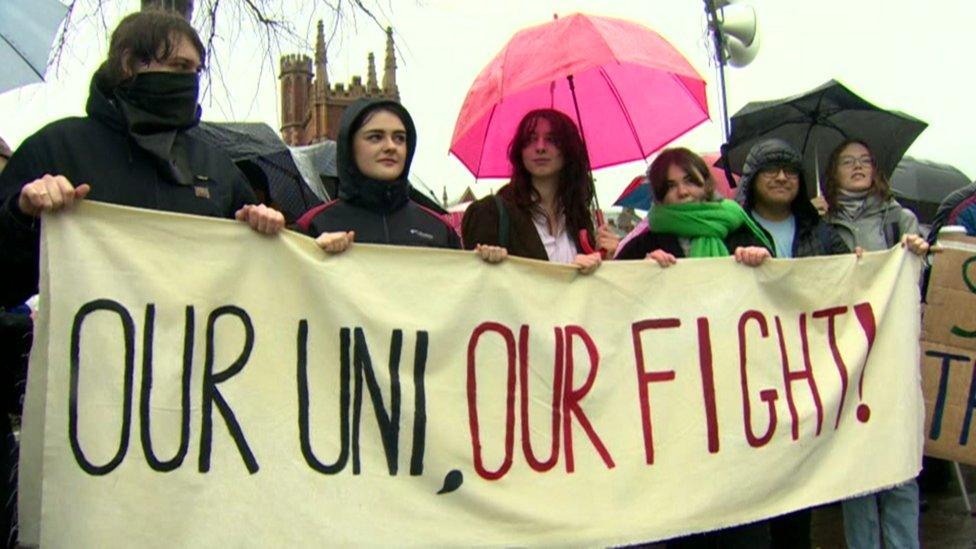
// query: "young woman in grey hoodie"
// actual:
[[868, 218]]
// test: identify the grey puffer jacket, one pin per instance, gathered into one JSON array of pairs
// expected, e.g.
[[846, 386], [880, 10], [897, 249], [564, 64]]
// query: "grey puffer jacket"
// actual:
[[878, 226]]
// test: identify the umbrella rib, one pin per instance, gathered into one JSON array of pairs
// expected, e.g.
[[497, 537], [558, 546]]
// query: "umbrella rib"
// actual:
[[813, 122], [626, 113], [484, 138], [21, 55]]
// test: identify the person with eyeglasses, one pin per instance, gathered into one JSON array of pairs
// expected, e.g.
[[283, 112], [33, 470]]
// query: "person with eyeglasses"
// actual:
[[774, 194], [861, 205], [868, 218]]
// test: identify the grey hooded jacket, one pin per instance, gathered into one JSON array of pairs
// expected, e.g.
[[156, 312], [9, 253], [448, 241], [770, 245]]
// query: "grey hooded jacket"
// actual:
[[878, 226]]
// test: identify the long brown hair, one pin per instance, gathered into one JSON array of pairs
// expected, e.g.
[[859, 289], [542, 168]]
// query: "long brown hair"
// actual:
[[657, 173], [879, 183], [575, 192]]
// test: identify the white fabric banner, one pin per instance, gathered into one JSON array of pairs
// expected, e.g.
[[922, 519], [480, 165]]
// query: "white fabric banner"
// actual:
[[196, 384]]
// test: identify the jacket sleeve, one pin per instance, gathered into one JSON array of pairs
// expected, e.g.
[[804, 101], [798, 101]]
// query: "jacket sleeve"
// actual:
[[907, 222], [19, 234], [835, 242], [744, 238], [480, 224], [243, 194], [636, 248], [454, 240]]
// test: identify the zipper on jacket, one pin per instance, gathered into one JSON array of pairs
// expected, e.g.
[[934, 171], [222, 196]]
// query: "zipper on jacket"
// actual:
[[386, 230]]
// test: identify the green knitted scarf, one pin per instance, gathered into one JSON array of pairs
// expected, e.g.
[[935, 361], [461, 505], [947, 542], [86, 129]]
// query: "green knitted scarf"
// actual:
[[707, 224]]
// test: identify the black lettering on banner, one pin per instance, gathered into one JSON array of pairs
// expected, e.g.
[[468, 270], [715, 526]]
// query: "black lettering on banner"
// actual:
[[389, 424], [420, 405], [212, 396], [303, 403], [146, 392], [128, 332]]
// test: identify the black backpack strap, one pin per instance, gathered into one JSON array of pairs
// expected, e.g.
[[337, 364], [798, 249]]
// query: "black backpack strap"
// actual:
[[503, 223]]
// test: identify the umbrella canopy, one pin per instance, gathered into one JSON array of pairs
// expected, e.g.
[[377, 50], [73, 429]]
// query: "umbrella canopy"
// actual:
[[265, 160], [638, 194], [634, 92], [921, 185], [815, 122], [317, 162], [27, 29], [957, 209]]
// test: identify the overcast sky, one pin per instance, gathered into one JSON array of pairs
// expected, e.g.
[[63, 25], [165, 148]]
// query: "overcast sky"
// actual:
[[899, 54]]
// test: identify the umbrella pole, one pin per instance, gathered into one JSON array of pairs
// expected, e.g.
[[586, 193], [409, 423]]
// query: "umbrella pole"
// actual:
[[584, 237], [579, 122]]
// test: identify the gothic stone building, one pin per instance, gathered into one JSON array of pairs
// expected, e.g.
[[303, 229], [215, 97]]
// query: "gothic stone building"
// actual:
[[311, 107]]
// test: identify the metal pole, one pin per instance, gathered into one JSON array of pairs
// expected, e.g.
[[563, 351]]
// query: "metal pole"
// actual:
[[714, 24], [579, 122]]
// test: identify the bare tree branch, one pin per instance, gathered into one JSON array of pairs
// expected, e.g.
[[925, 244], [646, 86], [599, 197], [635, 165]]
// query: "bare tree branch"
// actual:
[[272, 21]]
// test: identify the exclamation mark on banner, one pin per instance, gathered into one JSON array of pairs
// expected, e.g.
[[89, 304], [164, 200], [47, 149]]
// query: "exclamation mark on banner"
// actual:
[[865, 315]]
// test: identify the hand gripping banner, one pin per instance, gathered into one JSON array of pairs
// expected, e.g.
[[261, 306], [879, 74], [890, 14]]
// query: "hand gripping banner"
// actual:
[[196, 384]]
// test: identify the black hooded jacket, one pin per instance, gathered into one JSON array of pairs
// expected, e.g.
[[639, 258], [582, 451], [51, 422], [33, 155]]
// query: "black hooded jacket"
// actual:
[[99, 150], [813, 237], [380, 212]]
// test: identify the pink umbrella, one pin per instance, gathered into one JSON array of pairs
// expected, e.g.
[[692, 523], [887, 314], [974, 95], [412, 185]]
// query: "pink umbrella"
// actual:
[[722, 186], [628, 89]]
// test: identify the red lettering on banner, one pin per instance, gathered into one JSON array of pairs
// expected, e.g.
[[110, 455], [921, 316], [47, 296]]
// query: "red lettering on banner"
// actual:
[[768, 396], [790, 376], [644, 377], [829, 314], [572, 397], [509, 338], [708, 383], [557, 376], [865, 316], [807, 373]]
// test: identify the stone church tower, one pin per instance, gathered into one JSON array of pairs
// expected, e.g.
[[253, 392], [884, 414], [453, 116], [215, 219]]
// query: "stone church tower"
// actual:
[[311, 107]]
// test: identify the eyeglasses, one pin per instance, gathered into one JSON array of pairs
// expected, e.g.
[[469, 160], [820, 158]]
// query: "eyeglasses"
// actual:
[[850, 161], [790, 172]]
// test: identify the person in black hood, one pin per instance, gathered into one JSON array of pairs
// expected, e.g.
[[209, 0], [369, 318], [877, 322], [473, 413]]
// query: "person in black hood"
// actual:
[[773, 193], [131, 149], [376, 144]]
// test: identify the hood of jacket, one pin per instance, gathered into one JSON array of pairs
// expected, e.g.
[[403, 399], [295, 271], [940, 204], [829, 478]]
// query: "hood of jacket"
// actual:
[[100, 107], [163, 140], [358, 189], [774, 152]]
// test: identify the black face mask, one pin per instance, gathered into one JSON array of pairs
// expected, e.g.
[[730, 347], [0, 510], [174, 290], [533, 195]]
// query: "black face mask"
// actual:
[[167, 100]]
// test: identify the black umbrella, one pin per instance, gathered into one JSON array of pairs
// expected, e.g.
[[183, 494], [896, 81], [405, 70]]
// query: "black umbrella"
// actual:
[[951, 207], [921, 185], [265, 160], [815, 122]]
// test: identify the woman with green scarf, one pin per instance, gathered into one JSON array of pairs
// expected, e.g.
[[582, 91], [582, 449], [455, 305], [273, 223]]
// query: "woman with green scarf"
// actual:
[[686, 220]]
